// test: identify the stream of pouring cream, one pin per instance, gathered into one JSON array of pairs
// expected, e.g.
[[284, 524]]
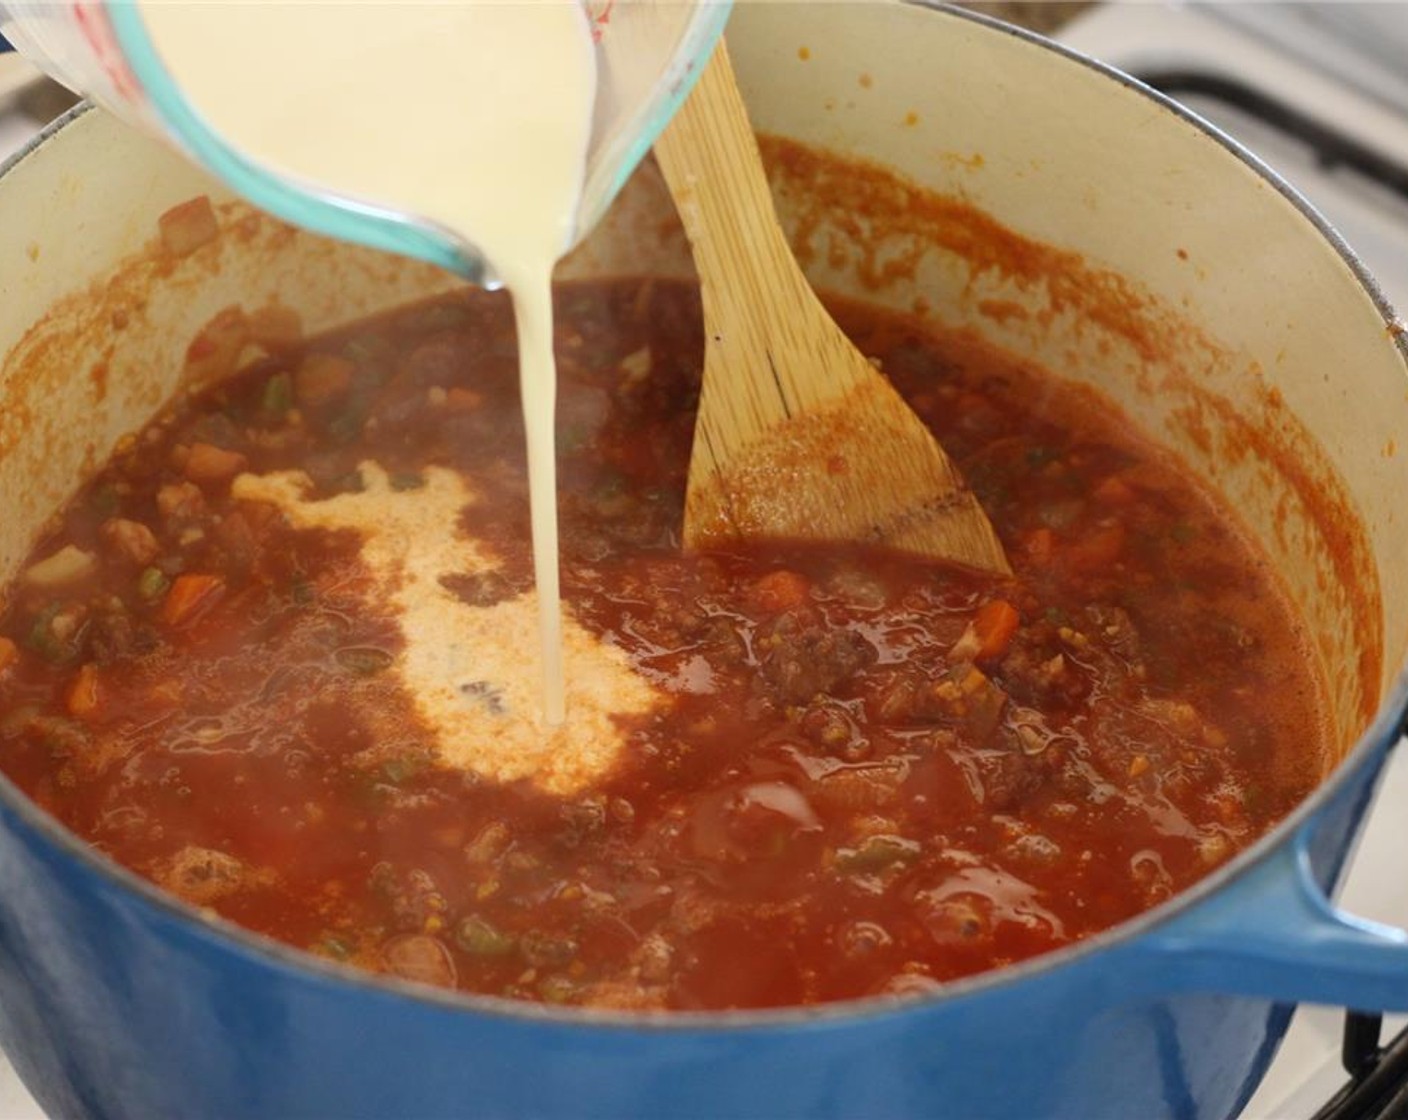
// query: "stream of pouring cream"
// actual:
[[474, 114]]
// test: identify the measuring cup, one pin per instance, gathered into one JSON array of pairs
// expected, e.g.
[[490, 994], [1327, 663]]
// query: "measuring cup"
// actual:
[[649, 52]]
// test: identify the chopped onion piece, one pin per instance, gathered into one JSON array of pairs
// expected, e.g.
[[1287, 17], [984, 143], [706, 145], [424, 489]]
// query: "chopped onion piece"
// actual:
[[69, 565]]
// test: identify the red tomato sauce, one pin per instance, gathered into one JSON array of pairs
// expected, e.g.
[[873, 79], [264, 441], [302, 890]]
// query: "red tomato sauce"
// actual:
[[874, 774]]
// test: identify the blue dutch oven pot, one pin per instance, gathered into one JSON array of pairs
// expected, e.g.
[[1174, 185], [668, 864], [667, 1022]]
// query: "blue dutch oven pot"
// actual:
[[116, 1001]]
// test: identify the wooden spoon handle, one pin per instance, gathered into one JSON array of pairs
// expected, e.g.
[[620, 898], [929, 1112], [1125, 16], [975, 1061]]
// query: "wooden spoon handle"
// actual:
[[711, 162], [756, 299], [797, 436]]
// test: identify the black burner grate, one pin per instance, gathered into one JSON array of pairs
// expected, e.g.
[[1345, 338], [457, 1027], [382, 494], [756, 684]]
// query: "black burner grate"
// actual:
[[1378, 1074]]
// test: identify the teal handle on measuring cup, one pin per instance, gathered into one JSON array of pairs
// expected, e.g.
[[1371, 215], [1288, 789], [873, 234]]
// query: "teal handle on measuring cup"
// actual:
[[385, 228], [613, 166]]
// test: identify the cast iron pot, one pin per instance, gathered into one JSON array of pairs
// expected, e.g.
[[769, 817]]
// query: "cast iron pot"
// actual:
[[1125, 244]]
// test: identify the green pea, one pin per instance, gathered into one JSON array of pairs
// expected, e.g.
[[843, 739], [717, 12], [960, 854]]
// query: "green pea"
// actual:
[[152, 584], [278, 394], [877, 853]]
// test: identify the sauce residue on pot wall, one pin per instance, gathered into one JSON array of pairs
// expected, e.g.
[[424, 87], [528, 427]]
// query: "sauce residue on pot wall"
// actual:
[[857, 224], [138, 321]]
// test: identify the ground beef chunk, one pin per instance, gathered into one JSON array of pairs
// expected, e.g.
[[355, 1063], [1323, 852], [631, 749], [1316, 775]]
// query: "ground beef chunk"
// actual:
[[1114, 629], [1008, 778], [801, 661], [1038, 671], [484, 589], [114, 635], [962, 696]]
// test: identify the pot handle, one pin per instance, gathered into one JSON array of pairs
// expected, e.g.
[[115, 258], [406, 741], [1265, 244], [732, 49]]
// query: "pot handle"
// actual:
[[1273, 932]]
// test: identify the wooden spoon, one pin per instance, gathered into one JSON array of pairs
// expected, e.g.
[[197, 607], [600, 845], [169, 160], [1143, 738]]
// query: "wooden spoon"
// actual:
[[798, 435]]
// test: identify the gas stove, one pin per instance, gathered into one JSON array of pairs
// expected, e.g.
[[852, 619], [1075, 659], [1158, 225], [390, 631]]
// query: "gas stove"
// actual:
[[1318, 91]]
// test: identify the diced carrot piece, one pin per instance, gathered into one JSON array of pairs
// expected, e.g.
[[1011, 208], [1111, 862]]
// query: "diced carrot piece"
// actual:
[[1040, 544], [9, 654], [84, 696], [207, 463], [989, 634], [187, 226], [994, 625], [191, 595], [780, 591], [1098, 549], [321, 379], [1114, 491]]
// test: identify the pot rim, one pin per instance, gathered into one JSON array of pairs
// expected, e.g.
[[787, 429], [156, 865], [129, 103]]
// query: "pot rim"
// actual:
[[1379, 735]]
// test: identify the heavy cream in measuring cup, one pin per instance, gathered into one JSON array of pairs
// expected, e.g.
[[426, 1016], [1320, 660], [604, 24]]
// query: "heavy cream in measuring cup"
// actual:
[[474, 115]]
